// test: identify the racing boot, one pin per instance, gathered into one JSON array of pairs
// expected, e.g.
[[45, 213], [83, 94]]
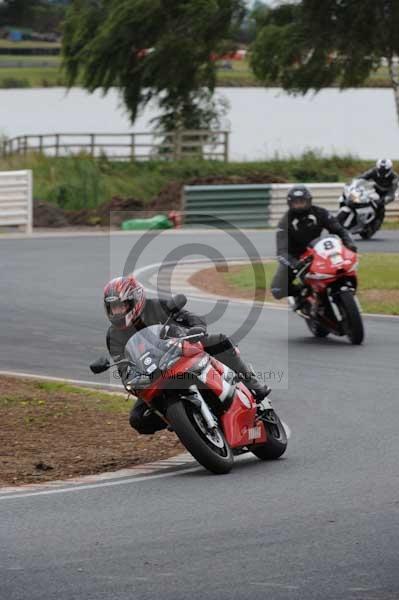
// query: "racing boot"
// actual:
[[247, 375], [223, 349]]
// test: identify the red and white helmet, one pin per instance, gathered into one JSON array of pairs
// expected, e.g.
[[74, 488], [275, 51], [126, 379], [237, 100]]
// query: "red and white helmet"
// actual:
[[124, 301]]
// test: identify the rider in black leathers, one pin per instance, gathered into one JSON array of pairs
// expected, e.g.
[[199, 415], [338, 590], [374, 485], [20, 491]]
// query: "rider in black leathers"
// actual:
[[385, 180], [129, 311], [300, 225]]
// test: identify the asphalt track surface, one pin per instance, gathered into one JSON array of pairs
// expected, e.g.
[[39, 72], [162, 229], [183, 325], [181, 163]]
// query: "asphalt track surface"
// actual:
[[321, 523]]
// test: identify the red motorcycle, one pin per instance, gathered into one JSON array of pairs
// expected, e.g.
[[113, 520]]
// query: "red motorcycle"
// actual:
[[212, 412], [330, 279]]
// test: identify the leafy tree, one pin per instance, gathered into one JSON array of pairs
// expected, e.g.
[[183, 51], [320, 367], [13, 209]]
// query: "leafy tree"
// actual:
[[40, 15], [151, 49], [17, 12], [313, 44]]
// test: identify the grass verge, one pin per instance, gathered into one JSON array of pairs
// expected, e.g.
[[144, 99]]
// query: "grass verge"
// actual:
[[52, 430], [391, 225], [82, 182], [378, 281]]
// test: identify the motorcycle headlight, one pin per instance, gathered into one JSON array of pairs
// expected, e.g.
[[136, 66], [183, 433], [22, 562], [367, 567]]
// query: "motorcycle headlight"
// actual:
[[200, 365], [355, 197], [319, 275]]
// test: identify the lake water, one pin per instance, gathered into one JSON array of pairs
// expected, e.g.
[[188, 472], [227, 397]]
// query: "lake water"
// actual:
[[263, 122]]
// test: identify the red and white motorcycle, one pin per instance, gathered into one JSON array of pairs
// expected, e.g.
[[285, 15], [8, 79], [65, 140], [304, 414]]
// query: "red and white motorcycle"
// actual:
[[330, 303], [212, 412]]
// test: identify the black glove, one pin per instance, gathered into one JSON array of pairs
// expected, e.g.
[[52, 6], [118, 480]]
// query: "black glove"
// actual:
[[351, 246], [297, 265], [198, 331], [171, 331]]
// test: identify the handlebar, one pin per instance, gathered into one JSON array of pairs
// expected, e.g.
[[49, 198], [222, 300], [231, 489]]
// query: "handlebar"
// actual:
[[304, 266]]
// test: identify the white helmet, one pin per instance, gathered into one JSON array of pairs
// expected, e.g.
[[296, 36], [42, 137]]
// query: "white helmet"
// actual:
[[384, 167]]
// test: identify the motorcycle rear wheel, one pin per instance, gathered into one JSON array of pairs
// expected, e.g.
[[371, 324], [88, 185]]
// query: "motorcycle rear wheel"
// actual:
[[211, 450], [373, 227], [277, 441], [353, 322]]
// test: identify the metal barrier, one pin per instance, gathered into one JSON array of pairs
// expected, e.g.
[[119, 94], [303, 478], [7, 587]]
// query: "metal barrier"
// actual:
[[224, 205], [255, 206], [16, 199]]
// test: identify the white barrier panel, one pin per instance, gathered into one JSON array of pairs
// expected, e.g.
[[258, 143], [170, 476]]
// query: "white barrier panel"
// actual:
[[16, 206], [324, 194]]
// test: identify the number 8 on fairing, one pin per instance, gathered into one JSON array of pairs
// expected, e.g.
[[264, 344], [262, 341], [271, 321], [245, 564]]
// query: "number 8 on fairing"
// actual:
[[328, 245]]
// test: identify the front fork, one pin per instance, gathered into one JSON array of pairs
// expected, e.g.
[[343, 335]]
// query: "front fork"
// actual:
[[195, 397], [335, 308]]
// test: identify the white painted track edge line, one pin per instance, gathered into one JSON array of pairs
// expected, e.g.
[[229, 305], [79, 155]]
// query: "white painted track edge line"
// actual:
[[77, 382], [90, 486]]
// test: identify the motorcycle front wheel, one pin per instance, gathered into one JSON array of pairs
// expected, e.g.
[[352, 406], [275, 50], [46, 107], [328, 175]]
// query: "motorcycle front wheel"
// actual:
[[353, 323], [341, 217], [209, 448], [367, 234], [316, 328], [276, 443]]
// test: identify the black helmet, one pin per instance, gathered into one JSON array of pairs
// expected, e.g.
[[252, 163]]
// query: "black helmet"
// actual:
[[384, 167], [299, 199]]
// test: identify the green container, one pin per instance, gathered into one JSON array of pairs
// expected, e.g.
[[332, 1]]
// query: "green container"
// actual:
[[156, 222]]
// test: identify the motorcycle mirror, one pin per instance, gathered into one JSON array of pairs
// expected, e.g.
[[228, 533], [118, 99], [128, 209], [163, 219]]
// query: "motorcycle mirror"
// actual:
[[176, 303], [100, 365]]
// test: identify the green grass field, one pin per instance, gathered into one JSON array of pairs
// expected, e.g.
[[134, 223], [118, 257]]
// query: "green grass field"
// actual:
[[28, 75], [28, 44], [378, 281], [18, 62]]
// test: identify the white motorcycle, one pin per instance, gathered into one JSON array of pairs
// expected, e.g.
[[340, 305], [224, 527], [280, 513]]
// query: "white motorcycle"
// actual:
[[361, 210]]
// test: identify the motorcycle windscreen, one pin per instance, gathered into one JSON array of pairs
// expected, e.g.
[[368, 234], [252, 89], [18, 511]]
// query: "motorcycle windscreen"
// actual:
[[146, 349]]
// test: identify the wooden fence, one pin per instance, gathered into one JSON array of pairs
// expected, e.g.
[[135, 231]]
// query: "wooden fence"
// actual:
[[125, 146]]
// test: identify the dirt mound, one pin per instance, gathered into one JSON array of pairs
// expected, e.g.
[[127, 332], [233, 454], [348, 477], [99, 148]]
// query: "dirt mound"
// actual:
[[236, 179], [169, 198], [110, 213], [48, 215]]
